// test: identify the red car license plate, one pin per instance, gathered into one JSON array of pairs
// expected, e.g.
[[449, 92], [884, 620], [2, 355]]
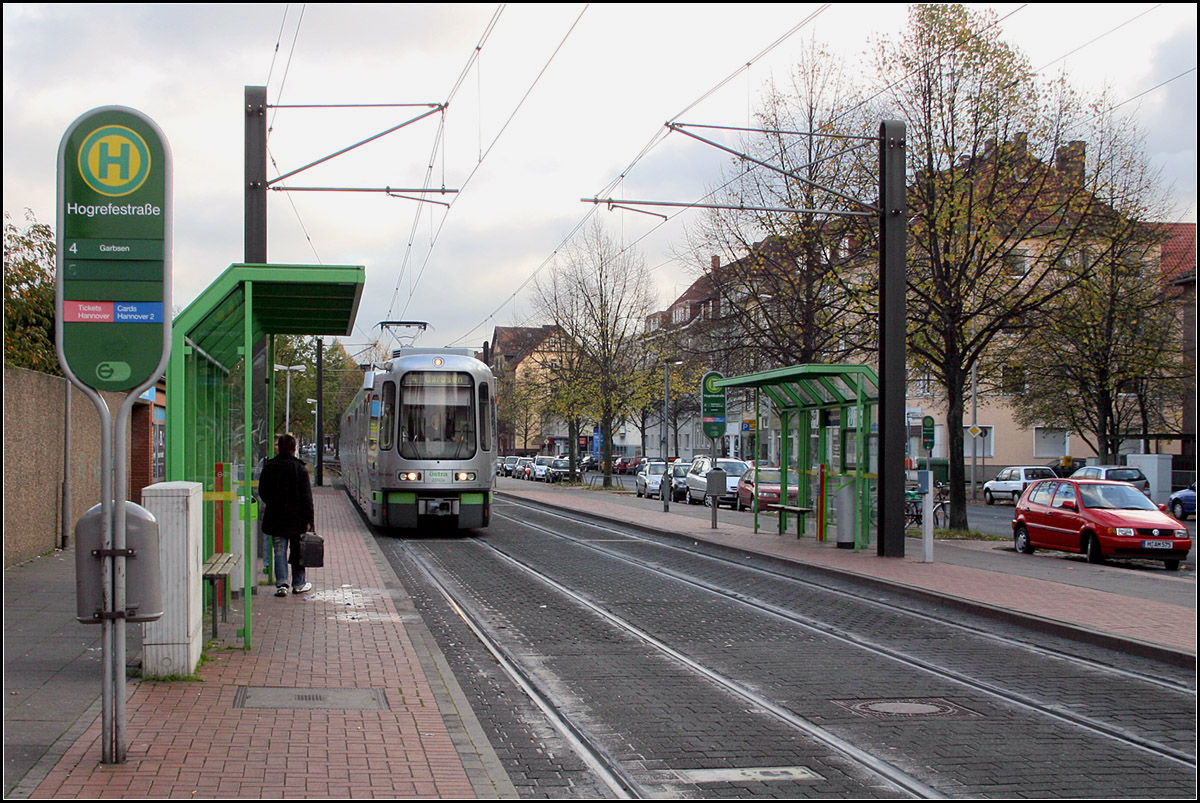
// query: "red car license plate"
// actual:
[[1158, 545]]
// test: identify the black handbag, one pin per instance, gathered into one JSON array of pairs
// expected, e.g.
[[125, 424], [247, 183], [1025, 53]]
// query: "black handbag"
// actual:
[[312, 551]]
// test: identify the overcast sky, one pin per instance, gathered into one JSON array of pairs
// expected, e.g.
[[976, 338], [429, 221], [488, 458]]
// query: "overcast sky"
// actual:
[[524, 149]]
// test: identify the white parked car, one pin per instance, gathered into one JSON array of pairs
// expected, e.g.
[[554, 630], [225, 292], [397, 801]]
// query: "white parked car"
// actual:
[[648, 479], [540, 465], [1012, 482]]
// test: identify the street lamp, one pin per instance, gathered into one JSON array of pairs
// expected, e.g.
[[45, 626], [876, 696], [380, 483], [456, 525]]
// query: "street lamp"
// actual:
[[316, 445], [287, 410], [667, 481]]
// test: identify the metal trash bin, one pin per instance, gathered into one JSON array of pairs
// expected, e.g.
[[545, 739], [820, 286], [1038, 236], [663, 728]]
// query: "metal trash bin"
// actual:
[[847, 515]]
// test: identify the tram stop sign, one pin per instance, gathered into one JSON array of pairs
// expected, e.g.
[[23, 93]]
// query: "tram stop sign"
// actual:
[[712, 405], [113, 289]]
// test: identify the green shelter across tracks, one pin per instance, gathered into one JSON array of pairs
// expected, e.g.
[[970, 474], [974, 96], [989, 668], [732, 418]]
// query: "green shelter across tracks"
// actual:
[[220, 387], [829, 444]]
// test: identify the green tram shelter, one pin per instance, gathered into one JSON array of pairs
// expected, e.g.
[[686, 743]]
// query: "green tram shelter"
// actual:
[[829, 437], [221, 384]]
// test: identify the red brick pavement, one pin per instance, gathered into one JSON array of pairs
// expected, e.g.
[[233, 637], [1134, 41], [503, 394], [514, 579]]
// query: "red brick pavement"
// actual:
[[186, 739]]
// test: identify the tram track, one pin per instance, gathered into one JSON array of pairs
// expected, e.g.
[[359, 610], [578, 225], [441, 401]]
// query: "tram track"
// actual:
[[477, 577], [943, 672], [603, 766], [891, 606], [608, 769]]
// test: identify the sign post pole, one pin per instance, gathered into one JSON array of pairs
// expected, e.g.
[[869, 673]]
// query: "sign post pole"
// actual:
[[112, 323]]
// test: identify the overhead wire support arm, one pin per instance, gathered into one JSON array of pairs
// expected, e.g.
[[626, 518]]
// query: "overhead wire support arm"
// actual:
[[863, 137], [680, 128], [618, 203], [394, 192], [438, 108]]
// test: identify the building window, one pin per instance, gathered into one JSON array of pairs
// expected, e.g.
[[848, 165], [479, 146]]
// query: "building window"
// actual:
[[1049, 442], [1017, 263], [1013, 381]]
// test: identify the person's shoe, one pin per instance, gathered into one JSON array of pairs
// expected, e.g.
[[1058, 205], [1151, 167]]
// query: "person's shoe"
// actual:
[[302, 589], [281, 591]]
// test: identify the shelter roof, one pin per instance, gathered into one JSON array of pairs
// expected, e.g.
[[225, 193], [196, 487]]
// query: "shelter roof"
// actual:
[[812, 386], [282, 299]]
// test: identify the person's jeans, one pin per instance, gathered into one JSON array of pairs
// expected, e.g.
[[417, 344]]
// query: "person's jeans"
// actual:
[[281, 563]]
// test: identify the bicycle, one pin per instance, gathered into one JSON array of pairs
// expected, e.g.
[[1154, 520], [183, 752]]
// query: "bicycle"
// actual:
[[914, 509]]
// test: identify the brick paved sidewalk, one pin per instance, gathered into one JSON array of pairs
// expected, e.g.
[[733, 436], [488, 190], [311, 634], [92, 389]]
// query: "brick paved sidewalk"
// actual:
[[190, 739]]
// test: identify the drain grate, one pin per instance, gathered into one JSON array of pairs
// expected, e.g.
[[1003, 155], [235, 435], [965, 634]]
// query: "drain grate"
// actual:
[[905, 708], [340, 699]]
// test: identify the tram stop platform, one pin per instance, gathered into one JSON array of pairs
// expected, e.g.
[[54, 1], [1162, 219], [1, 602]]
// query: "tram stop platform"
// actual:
[[345, 693]]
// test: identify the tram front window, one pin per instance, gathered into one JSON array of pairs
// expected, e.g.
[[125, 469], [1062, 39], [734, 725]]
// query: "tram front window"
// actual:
[[437, 416]]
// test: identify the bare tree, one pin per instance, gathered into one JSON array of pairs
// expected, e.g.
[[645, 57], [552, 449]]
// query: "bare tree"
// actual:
[[1003, 191], [599, 296], [783, 285]]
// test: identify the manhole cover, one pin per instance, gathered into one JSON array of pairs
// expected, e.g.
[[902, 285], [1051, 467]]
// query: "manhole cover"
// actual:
[[905, 707], [741, 774], [341, 699]]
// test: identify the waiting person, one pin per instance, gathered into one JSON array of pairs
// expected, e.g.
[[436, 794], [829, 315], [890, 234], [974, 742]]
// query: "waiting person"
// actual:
[[285, 490]]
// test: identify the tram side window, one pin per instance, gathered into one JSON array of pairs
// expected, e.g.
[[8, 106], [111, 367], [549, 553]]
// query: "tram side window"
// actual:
[[485, 408], [387, 420]]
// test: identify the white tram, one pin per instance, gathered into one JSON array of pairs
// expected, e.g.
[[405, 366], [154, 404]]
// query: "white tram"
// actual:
[[418, 444]]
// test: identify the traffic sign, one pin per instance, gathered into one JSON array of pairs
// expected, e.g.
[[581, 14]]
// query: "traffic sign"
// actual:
[[113, 288], [927, 427]]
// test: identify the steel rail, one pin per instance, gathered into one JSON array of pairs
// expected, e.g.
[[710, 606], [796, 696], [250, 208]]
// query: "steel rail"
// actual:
[[880, 767], [1007, 640], [1006, 695], [605, 768]]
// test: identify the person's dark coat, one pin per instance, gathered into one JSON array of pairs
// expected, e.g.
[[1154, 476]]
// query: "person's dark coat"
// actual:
[[284, 488]]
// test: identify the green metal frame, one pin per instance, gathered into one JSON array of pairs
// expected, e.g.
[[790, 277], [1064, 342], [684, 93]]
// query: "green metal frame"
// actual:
[[808, 398], [220, 382]]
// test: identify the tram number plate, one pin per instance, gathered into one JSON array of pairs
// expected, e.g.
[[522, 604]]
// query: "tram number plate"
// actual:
[[437, 476], [1158, 545]]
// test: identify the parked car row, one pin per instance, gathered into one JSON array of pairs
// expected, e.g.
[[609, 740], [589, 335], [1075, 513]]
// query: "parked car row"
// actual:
[[1012, 482], [544, 468], [688, 481]]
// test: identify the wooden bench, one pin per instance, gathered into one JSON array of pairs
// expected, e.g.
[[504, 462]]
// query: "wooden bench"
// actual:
[[797, 510], [219, 567]]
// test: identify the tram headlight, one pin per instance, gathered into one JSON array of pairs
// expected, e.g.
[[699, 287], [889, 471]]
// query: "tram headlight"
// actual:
[[409, 476], [465, 476]]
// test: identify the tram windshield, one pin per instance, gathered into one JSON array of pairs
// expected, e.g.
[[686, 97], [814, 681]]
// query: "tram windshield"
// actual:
[[437, 416]]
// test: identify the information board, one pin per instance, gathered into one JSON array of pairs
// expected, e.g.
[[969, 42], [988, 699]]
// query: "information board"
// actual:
[[114, 223]]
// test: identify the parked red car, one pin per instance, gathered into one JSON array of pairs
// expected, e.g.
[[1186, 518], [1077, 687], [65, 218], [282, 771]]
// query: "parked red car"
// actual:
[[769, 478], [1098, 518]]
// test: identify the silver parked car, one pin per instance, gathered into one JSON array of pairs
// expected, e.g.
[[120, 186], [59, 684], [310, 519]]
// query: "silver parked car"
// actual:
[[697, 479], [1130, 474]]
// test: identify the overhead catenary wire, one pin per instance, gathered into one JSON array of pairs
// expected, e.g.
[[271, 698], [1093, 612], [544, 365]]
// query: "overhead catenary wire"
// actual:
[[492, 144], [659, 135], [436, 148]]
